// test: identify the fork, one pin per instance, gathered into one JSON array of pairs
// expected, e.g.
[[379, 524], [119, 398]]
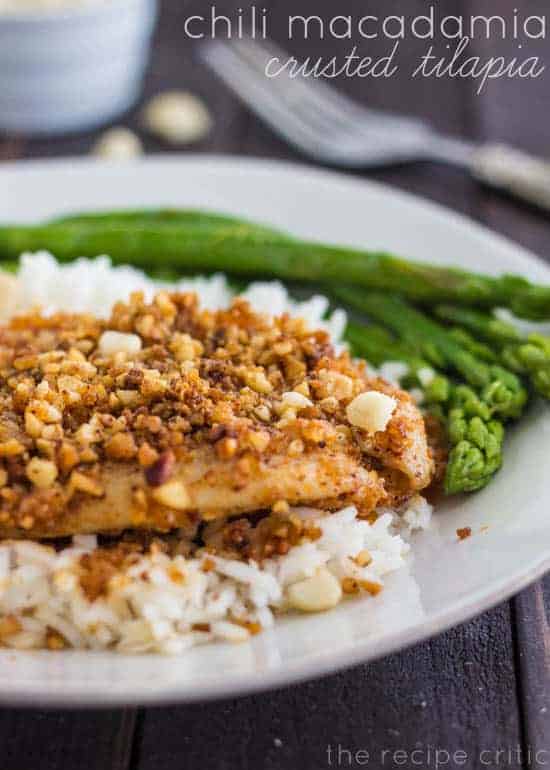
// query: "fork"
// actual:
[[329, 127]]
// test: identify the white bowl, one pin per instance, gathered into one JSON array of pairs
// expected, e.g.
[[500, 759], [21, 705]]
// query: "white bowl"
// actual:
[[69, 70]]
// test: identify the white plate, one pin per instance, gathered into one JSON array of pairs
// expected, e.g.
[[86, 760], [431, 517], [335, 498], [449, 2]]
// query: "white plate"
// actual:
[[449, 581]]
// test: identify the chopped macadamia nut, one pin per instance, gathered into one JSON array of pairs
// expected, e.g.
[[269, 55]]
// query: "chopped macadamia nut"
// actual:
[[82, 483], [111, 343], [33, 426], [337, 385], [178, 117], [173, 494], [185, 348], [121, 446], [363, 558], [259, 440], [315, 594], [293, 400], [42, 473], [11, 448], [118, 144], [371, 411], [257, 380]]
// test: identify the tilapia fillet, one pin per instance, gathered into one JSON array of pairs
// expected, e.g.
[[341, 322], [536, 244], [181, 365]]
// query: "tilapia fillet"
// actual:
[[166, 415]]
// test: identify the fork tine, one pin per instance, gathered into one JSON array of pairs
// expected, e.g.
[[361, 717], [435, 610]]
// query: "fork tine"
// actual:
[[313, 95], [252, 88], [296, 92]]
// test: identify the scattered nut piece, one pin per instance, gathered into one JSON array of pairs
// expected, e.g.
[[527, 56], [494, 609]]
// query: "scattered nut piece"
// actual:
[[263, 413], [33, 426], [9, 625], [121, 446], [363, 558], [185, 348], [338, 385], [329, 404], [303, 388], [68, 458], [45, 411], [178, 117], [226, 448], [118, 144], [315, 594], [371, 411], [117, 342], [350, 586], [85, 484], [41, 473], [295, 448], [173, 494], [88, 433], [147, 456], [11, 448], [54, 641], [257, 380], [280, 507], [259, 440], [128, 398], [293, 400]]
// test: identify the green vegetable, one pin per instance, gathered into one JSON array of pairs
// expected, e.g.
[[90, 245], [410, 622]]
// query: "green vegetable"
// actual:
[[531, 357], [378, 346], [10, 267], [500, 388], [486, 325], [524, 354], [478, 349], [245, 249], [475, 439], [476, 454], [160, 216]]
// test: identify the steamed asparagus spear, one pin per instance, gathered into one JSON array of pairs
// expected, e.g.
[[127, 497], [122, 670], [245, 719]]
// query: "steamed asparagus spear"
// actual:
[[378, 346], [244, 249], [478, 349], [162, 216], [475, 439], [500, 388], [476, 454], [524, 354], [147, 216]]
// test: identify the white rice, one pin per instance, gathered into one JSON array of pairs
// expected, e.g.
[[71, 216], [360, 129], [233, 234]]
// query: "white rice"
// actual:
[[147, 610], [94, 285], [167, 604]]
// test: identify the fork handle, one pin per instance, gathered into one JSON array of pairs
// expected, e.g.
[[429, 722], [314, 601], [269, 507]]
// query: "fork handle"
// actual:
[[513, 171]]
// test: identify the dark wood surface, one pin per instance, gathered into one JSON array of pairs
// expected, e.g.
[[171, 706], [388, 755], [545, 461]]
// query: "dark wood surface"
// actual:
[[479, 689]]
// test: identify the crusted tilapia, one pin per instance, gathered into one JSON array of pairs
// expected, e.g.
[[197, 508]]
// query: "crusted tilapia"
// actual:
[[166, 415]]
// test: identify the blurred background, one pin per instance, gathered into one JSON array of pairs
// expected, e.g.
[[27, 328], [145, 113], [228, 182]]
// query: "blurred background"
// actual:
[[512, 110], [508, 110]]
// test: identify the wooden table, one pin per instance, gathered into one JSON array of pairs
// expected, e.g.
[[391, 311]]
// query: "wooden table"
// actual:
[[479, 689]]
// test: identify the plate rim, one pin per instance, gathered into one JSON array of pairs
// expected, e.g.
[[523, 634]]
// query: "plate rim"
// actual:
[[28, 165], [237, 685]]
